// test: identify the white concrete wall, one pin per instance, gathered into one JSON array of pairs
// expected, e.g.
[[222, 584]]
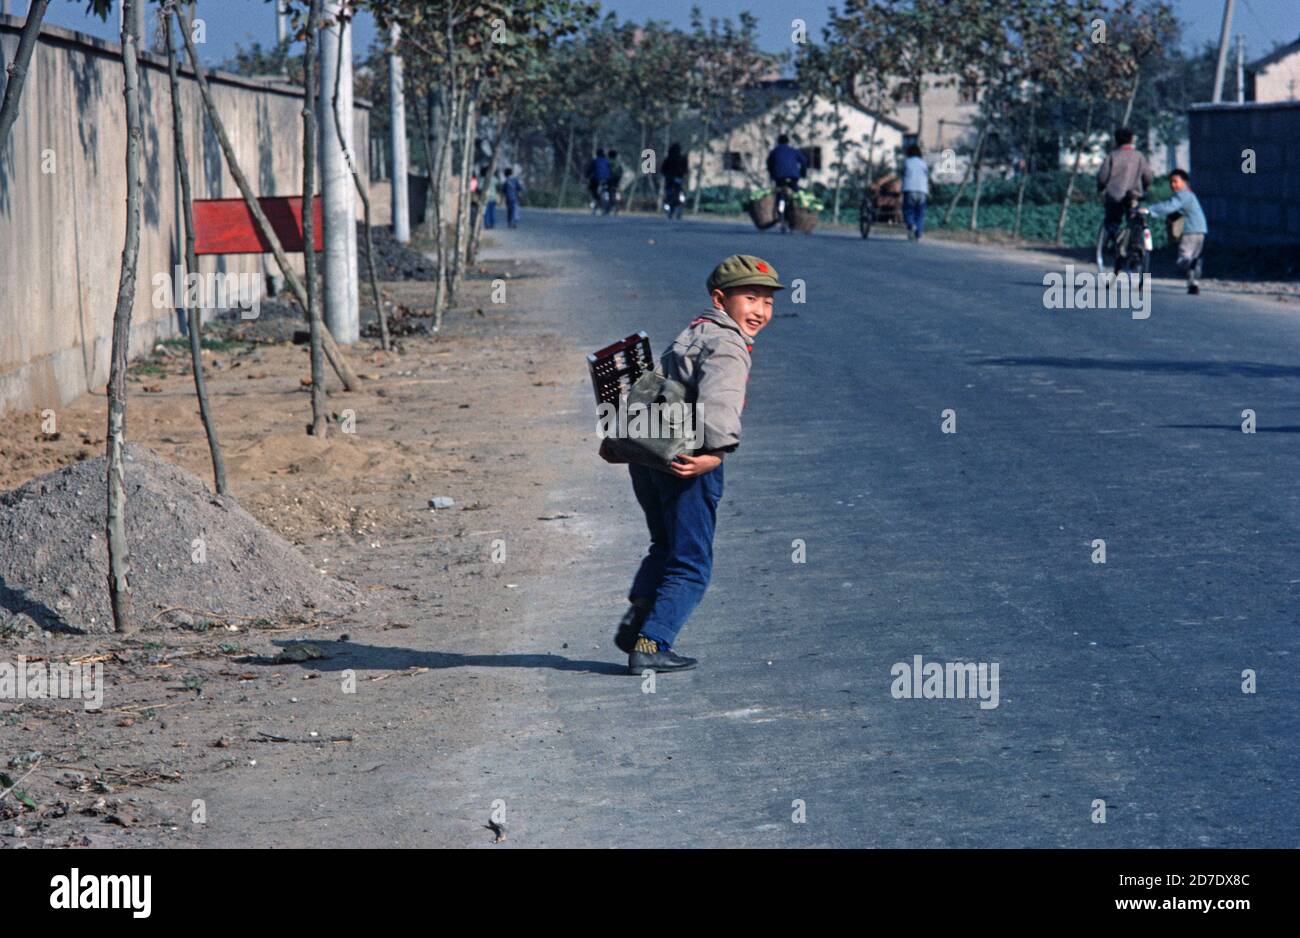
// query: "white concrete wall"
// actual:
[[1279, 81], [63, 202], [807, 127]]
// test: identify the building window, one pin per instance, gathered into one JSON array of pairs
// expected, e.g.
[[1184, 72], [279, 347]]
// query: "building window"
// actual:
[[733, 160], [813, 155], [967, 92], [905, 93]]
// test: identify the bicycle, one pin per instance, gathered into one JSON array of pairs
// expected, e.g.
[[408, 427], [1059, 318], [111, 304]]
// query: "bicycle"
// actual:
[[674, 198], [610, 197], [1128, 248], [785, 196], [866, 214]]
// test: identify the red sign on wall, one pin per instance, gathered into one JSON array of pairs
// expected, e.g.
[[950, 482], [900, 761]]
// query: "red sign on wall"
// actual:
[[226, 226]]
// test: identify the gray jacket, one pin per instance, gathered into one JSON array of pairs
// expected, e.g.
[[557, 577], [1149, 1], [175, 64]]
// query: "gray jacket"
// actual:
[[1123, 169], [711, 357]]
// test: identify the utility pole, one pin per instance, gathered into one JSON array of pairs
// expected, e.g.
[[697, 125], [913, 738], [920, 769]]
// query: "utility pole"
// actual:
[[338, 197], [397, 129], [281, 22], [1225, 34], [1241, 69]]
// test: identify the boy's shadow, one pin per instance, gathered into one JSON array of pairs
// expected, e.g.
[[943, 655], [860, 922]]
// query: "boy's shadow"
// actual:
[[342, 655]]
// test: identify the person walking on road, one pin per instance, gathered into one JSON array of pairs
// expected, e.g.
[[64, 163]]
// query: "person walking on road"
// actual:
[[1124, 171], [916, 192], [1189, 230], [511, 190], [711, 357]]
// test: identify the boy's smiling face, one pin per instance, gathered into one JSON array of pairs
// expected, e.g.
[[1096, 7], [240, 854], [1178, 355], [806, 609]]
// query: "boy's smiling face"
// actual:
[[749, 306]]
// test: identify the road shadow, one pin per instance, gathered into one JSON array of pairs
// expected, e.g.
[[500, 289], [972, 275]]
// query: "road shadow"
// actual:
[[1208, 368], [340, 656], [1234, 427]]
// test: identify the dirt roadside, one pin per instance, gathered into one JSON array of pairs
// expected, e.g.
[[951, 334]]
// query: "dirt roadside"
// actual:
[[202, 724]]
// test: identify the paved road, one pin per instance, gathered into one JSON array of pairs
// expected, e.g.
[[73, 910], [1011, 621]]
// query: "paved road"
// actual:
[[1119, 682]]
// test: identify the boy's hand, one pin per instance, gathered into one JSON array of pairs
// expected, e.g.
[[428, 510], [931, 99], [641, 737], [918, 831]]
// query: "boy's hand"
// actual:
[[688, 467]]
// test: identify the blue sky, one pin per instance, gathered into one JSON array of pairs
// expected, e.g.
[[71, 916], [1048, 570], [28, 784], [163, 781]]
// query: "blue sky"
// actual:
[[234, 22]]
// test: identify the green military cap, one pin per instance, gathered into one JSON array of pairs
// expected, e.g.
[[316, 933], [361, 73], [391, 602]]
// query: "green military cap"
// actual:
[[740, 270]]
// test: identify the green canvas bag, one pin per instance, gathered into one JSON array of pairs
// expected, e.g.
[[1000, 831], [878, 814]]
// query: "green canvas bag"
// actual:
[[655, 422]]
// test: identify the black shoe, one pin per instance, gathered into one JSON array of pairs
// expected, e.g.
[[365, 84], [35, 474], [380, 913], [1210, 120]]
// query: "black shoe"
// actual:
[[659, 661], [630, 628], [1193, 289]]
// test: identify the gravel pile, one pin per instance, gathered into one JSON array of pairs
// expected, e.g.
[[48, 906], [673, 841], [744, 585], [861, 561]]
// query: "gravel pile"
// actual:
[[393, 261], [54, 560]]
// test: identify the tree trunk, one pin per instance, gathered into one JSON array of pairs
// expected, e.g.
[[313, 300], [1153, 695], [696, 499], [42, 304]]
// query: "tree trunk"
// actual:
[[699, 172], [476, 223], [18, 69], [1069, 188], [332, 351], [460, 234], [315, 326], [424, 116], [965, 177], [1132, 95], [1029, 164], [564, 174], [193, 315], [975, 202], [365, 205], [119, 592]]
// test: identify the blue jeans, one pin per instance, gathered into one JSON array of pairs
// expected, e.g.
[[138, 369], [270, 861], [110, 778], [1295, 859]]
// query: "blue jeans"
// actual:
[[914, 211], [512, 212], [490, 214], [681, 515]]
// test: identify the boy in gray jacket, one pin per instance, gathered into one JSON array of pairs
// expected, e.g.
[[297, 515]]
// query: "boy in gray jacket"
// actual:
[[711, 357]]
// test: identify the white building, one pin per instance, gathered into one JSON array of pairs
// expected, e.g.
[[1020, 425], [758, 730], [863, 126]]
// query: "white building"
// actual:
[[1275, 77], [840, 140]]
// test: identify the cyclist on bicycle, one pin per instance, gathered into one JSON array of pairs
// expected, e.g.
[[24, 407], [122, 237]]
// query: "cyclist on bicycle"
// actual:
[[785, 164], [615, 183], [675, 167], [597, 176], [1124, 170]]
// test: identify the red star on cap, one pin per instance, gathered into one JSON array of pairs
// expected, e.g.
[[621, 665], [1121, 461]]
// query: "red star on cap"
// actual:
[[762, 266]]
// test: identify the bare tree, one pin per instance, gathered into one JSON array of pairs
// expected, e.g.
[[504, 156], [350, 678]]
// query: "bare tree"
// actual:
[[193, 315], [319, 418], [119, 592], [18, 68], [332, 351]]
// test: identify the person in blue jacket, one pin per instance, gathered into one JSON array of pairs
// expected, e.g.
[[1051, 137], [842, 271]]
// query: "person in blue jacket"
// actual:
[[1192, 242], [785, 164], [511, 190], [598, 172]]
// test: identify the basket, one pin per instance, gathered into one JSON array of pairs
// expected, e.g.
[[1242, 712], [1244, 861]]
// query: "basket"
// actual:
[[762, 211], [802, 219]]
